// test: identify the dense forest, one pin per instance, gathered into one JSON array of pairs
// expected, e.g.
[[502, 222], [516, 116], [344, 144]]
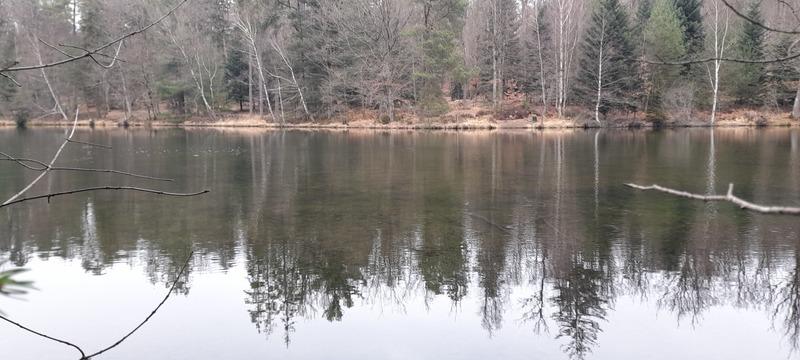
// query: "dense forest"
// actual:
[[282, 61]]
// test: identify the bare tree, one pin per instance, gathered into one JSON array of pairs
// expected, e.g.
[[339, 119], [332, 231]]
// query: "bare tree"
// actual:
[[247, 26]]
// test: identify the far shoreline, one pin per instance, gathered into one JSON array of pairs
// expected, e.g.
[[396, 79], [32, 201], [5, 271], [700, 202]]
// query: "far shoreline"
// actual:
[[471, 126]]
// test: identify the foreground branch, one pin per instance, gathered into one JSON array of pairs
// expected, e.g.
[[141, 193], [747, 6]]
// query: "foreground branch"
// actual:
[[729, 197], [100, 188], [49, 166], [78, 348], [171, 289], [90, 53], [90, 356], [712, 59]]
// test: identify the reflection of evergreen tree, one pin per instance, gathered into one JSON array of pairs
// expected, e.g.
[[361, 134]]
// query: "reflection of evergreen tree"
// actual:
[[340, 284], [442, 259], [581, 307]]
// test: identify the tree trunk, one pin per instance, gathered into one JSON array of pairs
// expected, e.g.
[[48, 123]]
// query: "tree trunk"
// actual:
[[600, 74]]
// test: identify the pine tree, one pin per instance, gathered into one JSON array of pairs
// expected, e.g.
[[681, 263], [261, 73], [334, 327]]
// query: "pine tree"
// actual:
[[663, 41], [92, 33], [747, 80], [780, 74], [236, 77], [439, 51], [607, 78], [690, 14]]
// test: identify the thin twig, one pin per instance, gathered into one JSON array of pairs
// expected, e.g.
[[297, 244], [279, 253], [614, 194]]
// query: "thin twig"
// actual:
[[90, 144], [758, 23], [711, 59], [11, 79], [110, 171], [46, 171], [171, 289], [90, 53], [23, 162], [101, 188], [728, 197], [83, 355]]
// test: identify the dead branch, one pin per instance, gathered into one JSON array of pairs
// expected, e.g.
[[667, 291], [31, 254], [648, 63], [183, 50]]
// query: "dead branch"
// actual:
[[101, 188], [76, 347], [729, 197]]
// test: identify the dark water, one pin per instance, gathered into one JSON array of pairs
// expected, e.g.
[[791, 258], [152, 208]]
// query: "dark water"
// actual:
[[368, 245]]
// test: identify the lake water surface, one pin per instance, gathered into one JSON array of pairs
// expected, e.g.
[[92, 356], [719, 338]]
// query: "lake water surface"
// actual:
[[408, 245]]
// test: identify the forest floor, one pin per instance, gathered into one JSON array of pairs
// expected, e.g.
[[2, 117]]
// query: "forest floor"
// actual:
[[463, 115]]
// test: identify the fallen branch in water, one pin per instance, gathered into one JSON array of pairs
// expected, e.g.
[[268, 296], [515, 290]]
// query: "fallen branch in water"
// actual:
[[99, 188], [90, 356], [729, 197]]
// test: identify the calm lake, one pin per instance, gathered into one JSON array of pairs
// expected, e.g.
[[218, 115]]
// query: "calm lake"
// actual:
[[408, 245]]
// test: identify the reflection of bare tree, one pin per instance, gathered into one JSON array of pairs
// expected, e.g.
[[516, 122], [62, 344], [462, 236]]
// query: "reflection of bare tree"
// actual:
[[688, 292], [787, 306], [533, 307]]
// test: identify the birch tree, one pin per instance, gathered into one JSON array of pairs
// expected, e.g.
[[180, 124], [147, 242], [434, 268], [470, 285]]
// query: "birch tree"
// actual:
[[606, 77], [720, 23]]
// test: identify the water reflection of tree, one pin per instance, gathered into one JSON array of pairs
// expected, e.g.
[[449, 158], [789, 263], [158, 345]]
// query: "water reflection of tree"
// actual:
[[787, 305], [320, 230], [581, 307]]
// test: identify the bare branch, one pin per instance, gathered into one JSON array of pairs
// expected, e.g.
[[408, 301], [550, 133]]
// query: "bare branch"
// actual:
[[10, 79], [110, 171], [83, 355], [729, 197], [758, 23], [90, 144], [92, 52], [100, 188], [152, 313], [23, 162], [171, 289], [46, 171], [712, 59]]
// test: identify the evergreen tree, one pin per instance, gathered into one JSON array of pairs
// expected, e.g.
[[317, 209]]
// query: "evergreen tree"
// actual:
[[663, 41], [747, 80], [780, 74], [440, 52], [606, 71], [86, 73], [236, 77], [690, 14]]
